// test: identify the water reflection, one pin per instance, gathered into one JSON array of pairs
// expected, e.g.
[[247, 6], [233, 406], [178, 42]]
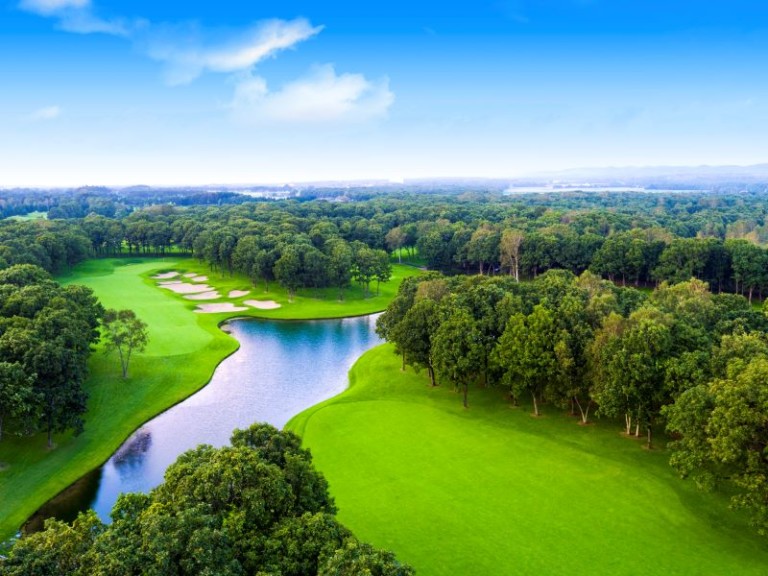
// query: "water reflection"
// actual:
[[280, 369], [67, 504]]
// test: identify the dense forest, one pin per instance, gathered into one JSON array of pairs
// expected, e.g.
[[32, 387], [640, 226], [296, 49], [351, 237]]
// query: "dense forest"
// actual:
[[632, 238]]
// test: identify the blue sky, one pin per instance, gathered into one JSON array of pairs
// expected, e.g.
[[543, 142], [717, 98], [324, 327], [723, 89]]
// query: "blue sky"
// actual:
[[115, 92]]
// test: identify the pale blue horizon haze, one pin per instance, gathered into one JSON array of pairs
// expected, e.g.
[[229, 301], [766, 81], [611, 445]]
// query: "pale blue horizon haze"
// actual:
[[98, 92]]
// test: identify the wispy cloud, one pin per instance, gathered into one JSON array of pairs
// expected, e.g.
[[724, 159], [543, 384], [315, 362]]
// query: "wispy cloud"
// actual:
[[321, 97], [188, 51], [45, 113], [77, 16], [187, 56]]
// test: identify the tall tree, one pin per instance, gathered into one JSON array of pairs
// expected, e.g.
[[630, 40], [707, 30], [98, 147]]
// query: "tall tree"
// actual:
[[413, 335], [509, 249], [526, 353], [632, 355], [339, 264], [457, 350], [289, 269], [124, 332]]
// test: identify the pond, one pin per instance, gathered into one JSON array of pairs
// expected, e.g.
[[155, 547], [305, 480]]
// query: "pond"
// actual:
[[280, 369]]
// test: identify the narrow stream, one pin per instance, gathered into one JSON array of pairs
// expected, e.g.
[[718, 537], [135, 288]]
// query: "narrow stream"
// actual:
[[280, 369]]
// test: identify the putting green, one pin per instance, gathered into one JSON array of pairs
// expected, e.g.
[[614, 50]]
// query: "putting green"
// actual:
[[183, 352], [491, 490]]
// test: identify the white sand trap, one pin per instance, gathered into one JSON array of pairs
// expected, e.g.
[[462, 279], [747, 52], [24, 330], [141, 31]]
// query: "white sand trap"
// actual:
[[204, 296], [185, 288], [239, 293], [223, 307], [262, 304], [165, 275], [199, 278], [190, 274]]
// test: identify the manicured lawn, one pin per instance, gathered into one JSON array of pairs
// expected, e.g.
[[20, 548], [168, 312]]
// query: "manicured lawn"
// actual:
[[184, 350], [493, 491]]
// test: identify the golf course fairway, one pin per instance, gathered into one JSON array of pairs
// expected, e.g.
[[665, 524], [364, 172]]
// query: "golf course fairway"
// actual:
[[491, 490], [184, 350]]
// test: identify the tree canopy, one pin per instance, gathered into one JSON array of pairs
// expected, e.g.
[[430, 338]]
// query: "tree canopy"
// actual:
[[255, 507]]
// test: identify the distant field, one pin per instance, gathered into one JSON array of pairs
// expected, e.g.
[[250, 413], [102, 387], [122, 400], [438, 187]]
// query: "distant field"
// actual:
[[184, 349], [493, 491], [30, 216]]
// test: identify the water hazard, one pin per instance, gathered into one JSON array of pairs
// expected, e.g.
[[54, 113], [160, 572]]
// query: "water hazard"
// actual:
[[280, 369]]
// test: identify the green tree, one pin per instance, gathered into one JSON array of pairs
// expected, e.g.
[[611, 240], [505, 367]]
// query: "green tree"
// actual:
[[633, 355], [358, 559], [388, 323], [124, 332], [723, 435], [17, 396], [483, 247], [383, 271], [749, 264], [339, 264], [365, 265], [457, 351], [526, 353], [59, 550], [289, 270], [509, 249], [413, 336]]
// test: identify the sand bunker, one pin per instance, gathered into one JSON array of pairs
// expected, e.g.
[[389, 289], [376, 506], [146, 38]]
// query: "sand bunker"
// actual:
[[199, 278], [223, 307], [190, 274], [171, 283], [262, 304], [213, 295], [239, 293], [165, 275], [184, 288]]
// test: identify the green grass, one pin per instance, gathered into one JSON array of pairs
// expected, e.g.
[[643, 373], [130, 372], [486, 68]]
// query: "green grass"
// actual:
[[184, 350], [493, 491], [30, 216]]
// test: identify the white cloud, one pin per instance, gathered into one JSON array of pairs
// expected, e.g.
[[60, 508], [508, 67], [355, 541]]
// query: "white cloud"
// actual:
[[187, 57], [86, 23], [188, 51], [48, 7], [75, 16], [321, 97], [46, 113]]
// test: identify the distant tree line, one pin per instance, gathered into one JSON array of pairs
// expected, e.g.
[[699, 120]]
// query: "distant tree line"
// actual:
[[680, 358], [113, 203], [255, 507], [639, 239]]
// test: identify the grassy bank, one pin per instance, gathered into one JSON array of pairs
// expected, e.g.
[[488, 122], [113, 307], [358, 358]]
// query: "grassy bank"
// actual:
[[493, 491], [184, 350]]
